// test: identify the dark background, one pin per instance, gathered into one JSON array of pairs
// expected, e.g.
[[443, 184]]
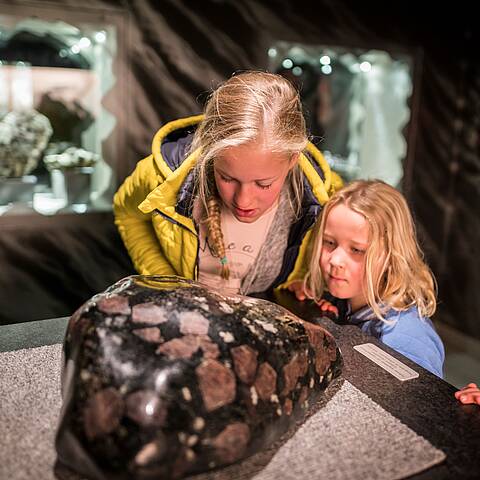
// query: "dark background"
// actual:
[[172, 52]]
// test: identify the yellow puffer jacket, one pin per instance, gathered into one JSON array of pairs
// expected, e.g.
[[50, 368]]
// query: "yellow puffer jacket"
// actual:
[[163, 241]]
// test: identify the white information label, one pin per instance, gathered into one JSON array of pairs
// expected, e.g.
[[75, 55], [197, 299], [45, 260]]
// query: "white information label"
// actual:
[[386, 361]]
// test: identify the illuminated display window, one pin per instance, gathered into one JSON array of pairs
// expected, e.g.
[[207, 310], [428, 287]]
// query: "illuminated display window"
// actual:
[[57, 148], [357, 105]]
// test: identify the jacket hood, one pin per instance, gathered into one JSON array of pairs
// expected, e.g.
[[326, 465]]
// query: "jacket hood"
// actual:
[[172, 142], [171, 152]]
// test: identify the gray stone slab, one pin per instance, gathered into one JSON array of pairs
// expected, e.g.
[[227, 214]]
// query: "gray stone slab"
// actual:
[[32, 334]]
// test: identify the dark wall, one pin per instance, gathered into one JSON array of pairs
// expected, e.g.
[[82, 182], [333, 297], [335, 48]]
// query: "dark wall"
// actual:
[[177, 50], [49, 268]]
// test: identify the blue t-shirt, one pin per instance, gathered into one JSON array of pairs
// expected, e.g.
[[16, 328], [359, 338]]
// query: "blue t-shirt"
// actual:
[[409, 334]]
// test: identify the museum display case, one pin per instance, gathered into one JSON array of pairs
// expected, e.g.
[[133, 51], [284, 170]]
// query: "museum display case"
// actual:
[[62, 99], [358, 104]]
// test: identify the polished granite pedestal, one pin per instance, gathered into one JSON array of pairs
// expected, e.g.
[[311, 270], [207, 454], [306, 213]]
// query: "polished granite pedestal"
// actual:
[[425, 404]]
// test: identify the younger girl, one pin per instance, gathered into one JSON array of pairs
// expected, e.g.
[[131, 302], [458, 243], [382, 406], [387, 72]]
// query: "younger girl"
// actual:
[[228, 197], [365, 251]]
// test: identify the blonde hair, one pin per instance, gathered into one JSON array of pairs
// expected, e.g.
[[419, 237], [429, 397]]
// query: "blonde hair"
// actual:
[[395, 272], [249, 108]]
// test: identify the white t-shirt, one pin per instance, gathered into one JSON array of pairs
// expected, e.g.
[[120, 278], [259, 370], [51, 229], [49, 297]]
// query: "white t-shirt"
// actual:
[[242, 241]]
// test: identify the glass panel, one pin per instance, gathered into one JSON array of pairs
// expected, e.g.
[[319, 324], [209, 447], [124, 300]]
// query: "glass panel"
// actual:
[[356, 104], [53, 76]]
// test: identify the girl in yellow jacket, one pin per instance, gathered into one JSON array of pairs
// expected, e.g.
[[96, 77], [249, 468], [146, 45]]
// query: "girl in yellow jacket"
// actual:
[[229, 197]]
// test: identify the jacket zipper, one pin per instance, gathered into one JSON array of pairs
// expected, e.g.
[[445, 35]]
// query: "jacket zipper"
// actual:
[[172, 220]]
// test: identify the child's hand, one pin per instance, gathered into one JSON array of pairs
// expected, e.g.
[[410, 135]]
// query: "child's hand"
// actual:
[[469, 394], [297, 288], [326, 306]]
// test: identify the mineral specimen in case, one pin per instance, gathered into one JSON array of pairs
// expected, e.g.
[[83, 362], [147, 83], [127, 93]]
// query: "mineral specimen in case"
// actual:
[[24, 136], [163, 377]]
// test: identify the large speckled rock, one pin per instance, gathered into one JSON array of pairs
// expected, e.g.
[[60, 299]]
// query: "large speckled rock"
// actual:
[[164, 377]]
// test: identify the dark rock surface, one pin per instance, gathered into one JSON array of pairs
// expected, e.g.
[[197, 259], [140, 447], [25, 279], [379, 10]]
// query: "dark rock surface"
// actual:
[[164, 377]]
